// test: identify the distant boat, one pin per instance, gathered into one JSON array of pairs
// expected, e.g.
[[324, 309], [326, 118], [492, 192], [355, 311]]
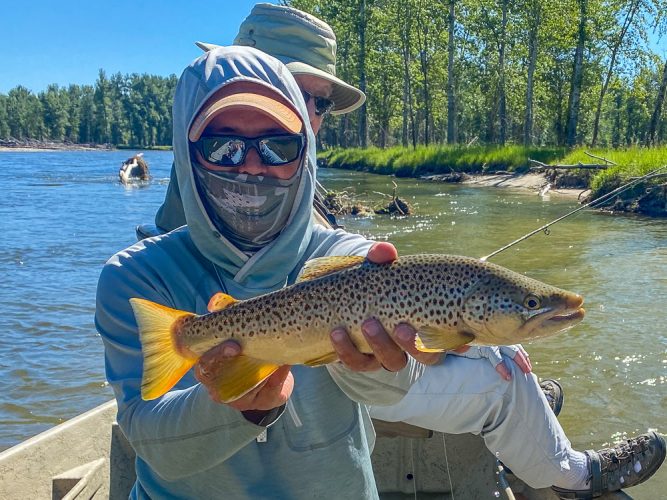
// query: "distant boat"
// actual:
[[134, 169]]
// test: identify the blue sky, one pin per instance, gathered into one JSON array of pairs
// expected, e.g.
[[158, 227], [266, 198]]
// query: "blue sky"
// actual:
[[68, 41]]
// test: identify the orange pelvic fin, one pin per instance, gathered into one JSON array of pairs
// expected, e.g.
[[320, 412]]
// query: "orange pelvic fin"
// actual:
[[242, 374]]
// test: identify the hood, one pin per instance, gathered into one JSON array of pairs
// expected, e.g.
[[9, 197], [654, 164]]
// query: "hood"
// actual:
[[268, 268]]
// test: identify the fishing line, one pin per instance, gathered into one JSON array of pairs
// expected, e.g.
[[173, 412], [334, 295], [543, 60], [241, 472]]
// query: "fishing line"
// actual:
[[598, 201], [449, 475], [412, 466]]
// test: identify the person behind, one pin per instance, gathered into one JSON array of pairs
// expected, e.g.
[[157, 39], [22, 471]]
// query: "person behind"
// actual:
[[307, 46], [510, 411], [249, 231]]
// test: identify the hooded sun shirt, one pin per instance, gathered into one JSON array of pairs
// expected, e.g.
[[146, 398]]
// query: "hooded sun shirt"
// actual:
[[187, 445], [287, 229]]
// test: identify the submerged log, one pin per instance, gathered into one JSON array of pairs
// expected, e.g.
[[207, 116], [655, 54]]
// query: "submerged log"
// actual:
[[343, 203], [396, 205], [538, 165]]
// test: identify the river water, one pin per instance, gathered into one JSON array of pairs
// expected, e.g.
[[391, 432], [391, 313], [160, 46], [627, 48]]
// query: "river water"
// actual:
[[64, 213]]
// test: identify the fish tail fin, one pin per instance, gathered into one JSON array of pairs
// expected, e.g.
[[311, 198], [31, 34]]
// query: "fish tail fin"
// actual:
[[164, 364]]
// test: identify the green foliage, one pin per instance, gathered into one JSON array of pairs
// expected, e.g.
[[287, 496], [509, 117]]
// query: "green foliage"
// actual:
[[406, 70], [131, 110]]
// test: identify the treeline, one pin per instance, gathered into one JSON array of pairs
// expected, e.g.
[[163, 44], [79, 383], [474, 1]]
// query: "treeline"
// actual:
[[133, 110], [530, 72]]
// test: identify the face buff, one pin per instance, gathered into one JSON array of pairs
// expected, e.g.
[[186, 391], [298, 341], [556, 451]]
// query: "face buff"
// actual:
[[249, 210]]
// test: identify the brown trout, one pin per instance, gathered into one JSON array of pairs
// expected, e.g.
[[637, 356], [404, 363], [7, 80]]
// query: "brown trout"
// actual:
[[450, 300]]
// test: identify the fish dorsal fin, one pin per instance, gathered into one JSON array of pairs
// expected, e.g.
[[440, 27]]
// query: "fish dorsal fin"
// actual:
[[432, 339], [322, 360], [316, 268], [240, 375], [220, 301]]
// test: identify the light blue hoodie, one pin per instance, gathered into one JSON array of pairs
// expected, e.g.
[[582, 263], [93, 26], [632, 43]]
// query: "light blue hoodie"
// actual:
[[188, 446]]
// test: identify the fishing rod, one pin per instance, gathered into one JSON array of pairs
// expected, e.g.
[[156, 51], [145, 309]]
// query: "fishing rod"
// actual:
[[598, 201]]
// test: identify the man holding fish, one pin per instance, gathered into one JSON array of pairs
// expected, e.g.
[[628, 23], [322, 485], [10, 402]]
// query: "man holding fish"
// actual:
[[253, 427]]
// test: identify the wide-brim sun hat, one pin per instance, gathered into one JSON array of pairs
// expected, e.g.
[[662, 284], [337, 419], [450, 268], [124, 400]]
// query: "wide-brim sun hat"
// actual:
[[304, 43]]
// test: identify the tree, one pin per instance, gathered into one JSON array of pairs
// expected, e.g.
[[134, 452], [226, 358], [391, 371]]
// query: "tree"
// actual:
[[577, 76], [4, 118], [651, 135], [533, 9], [633, 7], [451, 75], [56, 119]]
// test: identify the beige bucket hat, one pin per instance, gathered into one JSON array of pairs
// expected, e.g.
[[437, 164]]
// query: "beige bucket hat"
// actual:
[[304, 43]]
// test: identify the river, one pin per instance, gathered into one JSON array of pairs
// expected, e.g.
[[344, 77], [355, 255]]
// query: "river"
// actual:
[[64, 213]]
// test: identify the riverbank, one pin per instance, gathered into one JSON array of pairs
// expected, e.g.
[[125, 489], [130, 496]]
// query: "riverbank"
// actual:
[[30, 145], [539, 183], [510, 166]]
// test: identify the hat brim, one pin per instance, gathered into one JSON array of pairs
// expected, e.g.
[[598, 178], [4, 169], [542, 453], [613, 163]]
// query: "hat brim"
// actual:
[[268, 106], [345, 97]]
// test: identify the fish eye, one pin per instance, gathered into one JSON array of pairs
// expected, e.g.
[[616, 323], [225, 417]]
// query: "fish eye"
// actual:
[[532, 302]]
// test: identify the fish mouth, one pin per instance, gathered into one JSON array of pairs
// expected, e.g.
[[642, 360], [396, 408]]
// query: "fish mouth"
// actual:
[[561, 318], [568, 316]]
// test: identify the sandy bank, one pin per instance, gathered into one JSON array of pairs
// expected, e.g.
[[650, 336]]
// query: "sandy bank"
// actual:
[[536, 182]]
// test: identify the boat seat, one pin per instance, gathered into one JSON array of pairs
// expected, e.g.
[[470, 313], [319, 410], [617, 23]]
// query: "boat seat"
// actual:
[[400, 429]]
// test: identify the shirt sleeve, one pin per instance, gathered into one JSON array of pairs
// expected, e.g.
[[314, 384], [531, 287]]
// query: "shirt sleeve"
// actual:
[[379, 388], [183, 432]]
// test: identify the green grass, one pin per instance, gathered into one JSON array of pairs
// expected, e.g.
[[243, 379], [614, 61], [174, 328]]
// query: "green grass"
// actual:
[[631, 162], [440, 159]]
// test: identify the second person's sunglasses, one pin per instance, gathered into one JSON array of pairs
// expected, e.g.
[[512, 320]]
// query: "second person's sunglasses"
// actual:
[[322, 104], [231, 150]]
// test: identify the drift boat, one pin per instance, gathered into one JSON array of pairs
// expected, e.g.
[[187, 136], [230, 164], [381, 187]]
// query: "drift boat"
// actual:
[[88, 457]]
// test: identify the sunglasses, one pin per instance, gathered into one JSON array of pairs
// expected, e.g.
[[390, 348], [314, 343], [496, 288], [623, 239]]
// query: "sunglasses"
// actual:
[[322, 104], [231, 150]]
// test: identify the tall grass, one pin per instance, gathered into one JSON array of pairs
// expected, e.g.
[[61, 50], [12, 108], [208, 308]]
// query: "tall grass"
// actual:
[[630, 162], [440, 159]]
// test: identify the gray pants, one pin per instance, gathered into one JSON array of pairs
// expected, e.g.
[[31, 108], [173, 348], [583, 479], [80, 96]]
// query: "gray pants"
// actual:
[[462, 395]]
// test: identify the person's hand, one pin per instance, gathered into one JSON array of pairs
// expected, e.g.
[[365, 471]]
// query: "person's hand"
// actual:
[[271, 393], [494, 355], [389, 351]]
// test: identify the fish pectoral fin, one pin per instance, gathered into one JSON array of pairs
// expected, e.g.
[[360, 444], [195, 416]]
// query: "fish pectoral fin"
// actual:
[[241, 375], [316, 268], [431, 339], [322, 360], [220, 301], [163, 364]]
